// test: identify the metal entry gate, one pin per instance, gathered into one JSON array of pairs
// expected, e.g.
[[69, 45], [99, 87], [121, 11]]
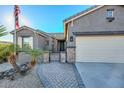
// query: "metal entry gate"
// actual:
[[54, 57]]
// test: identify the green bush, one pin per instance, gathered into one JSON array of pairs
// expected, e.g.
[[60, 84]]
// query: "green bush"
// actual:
[[3, 57]]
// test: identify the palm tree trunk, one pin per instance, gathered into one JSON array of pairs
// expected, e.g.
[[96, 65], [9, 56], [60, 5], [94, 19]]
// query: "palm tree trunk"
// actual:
[[33, 62], [12, 61]]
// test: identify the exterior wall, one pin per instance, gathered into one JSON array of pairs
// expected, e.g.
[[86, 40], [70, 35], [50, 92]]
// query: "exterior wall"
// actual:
[[50, 43], [38, 40], [28, 33], [22, 58], [55, 45], [108, 49], [96, 21], [41, 41]]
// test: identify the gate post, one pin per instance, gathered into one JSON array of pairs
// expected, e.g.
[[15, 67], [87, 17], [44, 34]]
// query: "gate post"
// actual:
[[70, 54], [62, 57], [46, 57]]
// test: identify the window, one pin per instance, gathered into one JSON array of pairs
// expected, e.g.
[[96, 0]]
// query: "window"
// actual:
[[27, 42], [71, 38], [110, 16], [110, 13]]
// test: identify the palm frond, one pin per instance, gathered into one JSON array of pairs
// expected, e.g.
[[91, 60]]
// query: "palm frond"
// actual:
[[2, 31]]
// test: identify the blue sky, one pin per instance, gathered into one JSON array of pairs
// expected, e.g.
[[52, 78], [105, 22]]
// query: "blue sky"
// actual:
[[48, 18]]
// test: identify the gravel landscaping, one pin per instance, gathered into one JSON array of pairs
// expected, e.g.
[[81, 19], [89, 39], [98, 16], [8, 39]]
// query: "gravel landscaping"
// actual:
[[30, 80]]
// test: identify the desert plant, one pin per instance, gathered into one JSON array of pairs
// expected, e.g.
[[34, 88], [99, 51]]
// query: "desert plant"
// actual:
[[2, 31], [3, 57], [9, 52], [34, 54]]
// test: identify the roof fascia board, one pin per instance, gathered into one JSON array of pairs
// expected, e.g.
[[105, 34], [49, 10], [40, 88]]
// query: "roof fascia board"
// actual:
[[30, 29], [99, 33]]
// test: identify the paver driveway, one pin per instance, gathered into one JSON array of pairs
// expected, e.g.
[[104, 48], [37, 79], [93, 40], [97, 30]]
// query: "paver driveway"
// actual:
[[59, 75]]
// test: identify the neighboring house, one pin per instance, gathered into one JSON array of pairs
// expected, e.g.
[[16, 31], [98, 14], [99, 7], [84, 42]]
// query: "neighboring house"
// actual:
[[32, 38], [96, 35], [93, 35]]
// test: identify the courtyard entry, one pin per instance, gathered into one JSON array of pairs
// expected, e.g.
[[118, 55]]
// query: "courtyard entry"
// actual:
[[61, 45]]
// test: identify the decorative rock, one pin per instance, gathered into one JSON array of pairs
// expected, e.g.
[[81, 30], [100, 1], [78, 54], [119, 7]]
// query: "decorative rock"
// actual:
[[10, 74], [24, 68]]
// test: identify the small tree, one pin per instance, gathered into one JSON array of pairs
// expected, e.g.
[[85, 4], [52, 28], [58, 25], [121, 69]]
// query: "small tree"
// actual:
[[34, 54]]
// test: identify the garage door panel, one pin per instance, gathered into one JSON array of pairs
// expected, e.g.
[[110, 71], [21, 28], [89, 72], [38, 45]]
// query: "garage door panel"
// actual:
[[100, 49]]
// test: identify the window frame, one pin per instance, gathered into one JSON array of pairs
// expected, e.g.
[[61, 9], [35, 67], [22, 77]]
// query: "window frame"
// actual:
[[110, 13], [23, 41]]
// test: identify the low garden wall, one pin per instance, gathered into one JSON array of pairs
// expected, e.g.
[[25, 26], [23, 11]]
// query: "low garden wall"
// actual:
[[23, 57]]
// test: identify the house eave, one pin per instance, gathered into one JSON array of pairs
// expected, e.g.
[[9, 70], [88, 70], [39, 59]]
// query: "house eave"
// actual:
[[33, 30], [99, 33], [74, 17]]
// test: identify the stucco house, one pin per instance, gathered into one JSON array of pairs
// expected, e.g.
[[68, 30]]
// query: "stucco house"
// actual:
[[93, 35], [39, 39], [96, 35]]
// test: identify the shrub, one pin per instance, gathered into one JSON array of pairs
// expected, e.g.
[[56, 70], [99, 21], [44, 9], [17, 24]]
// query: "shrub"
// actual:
[[3, 57]]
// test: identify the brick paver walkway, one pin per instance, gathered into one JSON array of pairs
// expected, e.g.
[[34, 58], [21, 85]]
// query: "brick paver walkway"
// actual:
[[59, 75]]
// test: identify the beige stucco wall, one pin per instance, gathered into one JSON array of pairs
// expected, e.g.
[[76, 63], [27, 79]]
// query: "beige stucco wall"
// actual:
[[26, 32], [39, 41], [96, 21], [23, 57], [108, 49]]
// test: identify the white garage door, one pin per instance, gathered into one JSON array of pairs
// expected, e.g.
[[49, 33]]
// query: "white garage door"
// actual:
[[100, 49]]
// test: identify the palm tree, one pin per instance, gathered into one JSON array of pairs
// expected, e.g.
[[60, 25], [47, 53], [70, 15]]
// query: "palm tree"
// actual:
[[34, 54], [2, 31], [9, 52]]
